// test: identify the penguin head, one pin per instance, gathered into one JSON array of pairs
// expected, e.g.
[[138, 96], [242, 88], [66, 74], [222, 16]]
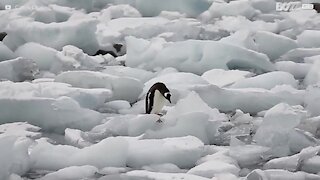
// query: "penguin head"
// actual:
[[163, 90]]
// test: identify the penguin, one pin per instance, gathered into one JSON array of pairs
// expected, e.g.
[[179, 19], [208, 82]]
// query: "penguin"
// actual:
[[156, 98]]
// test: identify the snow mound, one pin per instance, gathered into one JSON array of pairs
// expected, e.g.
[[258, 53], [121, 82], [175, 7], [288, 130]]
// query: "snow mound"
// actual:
[[267, 81], [181, 151], [216, 97], [279, 123], [192, 56], [19, 69], [78, 32], [118, 85], [308, 39], [221, 78], [53, 157]]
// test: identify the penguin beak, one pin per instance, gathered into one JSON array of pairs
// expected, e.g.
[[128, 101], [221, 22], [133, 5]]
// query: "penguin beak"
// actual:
[[169, 99]]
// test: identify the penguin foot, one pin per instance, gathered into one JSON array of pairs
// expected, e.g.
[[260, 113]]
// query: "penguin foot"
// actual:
[[160, 114], [159, 121]]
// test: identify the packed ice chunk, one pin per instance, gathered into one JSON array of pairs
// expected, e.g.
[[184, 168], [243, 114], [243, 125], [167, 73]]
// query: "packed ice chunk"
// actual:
[[165, 168], [312, 100], [236, 23], [248, 155], [311, 165], [72, 173], [17, 70], [14, 155], [43, 112], [142, 174], [87, 98], [267, 81], [115, 106], [199, 57], [265, 6], [153, 7], [91, 79], [195, 124], [279, 123], [78, 32], [210, 169], [216, 97], [298, 70], [221, 77], [23, 129], [313, 76], [123, 71], [181, 151], [5, 52], [76, 137], [119, 11], [242, 38], [272, 44], [294, 162], [47, 156], [308, 39], [125, 125], [233, 8], [277, 174], [297, 55]]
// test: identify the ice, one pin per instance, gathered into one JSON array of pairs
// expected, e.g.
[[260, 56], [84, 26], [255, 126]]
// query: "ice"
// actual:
[[312, 100], [142, 174], [53, 157], [307, 39], [233, 8], [192, 56], [181, 151], [221, 78], [42, 112], [210, 169], [267, 41], [72, 173], [238, 98], [118, 11], [14, 155], [297, 55], [279, 123], [294, 162], [278, 174], [23, 129], [87, 98], [123, 71], [116, 106], [90, 79], [311, 165], [248, 155], [166, 168], [76, 137], [298, 70], [19, 69], [6, 53], [313, 76], [267, 81], [78, 32]]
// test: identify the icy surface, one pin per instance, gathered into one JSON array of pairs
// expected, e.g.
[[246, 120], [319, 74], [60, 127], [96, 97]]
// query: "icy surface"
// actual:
[[243, 77]]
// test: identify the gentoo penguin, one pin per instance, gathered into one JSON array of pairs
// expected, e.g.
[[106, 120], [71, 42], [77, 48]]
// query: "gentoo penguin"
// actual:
[[156, 97]]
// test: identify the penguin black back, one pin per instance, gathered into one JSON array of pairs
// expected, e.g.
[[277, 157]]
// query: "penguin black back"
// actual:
[[151, 93]]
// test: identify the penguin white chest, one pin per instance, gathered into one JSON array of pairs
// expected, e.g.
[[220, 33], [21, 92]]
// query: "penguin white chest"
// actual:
[[158, 102]]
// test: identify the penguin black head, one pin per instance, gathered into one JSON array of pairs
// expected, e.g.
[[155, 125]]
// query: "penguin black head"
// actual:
[[162, 88]]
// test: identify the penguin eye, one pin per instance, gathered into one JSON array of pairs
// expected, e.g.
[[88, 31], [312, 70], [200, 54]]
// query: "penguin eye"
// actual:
[[167, 94]]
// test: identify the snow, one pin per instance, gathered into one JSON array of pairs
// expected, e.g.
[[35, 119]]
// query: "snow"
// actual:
[[313, 76], [270, 80], [23, 129], [72, 173], [298, 70], [138, 174]]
